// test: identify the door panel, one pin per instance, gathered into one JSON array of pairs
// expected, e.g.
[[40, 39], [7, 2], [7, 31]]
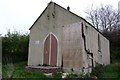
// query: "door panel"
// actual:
[[53, 51], [46, 50]]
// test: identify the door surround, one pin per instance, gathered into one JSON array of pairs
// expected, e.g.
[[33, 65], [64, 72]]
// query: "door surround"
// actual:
[[55, 52]]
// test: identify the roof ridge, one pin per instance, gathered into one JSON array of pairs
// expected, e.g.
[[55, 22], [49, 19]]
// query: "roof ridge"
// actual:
[[71, 13]]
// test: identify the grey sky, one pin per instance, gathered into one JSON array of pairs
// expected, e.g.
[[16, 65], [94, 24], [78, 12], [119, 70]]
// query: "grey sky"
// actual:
[[20, 14]]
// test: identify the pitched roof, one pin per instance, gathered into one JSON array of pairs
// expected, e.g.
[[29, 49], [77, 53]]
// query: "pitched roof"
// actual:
[[40, 16], [68, 11]]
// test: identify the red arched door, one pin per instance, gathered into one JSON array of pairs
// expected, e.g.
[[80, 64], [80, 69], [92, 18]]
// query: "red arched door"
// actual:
[[50, 50], [46, 50]]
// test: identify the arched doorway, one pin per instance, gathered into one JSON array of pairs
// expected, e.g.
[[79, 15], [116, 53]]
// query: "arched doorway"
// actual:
[[50, 50]]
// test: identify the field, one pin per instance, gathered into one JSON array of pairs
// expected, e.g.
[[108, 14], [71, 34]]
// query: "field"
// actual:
[[112, 71], [18, 71]]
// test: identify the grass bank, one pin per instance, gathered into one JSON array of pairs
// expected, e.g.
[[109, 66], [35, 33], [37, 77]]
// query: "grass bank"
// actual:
[[112, 71], [18, 71]]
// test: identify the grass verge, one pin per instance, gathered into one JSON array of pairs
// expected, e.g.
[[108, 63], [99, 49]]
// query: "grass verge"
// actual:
[[18, 70], [112, 71]]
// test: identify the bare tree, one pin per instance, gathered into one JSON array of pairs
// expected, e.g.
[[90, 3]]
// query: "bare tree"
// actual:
[[104, 18]]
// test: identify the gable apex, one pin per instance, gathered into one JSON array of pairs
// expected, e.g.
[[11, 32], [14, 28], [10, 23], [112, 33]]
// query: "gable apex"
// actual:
[[51, 2], [41, 14]]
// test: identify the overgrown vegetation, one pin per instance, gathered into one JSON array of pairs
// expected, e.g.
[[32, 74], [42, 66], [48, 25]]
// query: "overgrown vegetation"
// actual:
[[98, 70], [18, 70], [79, 75], [114, 38], [14, 47], [57, 75], [112, 71]]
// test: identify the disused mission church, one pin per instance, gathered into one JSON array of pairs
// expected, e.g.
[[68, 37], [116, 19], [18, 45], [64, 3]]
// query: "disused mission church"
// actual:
[[61, 38]]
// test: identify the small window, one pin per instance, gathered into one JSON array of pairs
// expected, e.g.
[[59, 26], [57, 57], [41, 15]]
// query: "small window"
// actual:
[[86, 29], [82, 28], [99, 43]]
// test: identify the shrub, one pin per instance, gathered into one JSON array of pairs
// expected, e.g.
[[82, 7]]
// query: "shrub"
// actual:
[[98, 70], [80, 75], [57, 75], [45, 65], [71, 75], [14, 47]]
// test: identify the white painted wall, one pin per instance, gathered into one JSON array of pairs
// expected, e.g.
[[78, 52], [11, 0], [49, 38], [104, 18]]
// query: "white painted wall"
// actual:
[[52, 20]]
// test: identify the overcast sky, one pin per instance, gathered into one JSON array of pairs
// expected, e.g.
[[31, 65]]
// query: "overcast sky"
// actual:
[[20, 14]]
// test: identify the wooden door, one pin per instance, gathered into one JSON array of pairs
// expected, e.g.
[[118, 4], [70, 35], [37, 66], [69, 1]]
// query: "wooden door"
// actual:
[[46, 50], [50, 50], [53, 50]]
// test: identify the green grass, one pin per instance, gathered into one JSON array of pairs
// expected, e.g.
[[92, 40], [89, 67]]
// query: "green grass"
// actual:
[[18, 71], [112, 71]]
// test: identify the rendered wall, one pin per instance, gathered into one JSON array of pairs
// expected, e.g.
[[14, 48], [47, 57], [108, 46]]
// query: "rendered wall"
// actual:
[[72, 46], [53, 20], [101, 57], [105, 50]]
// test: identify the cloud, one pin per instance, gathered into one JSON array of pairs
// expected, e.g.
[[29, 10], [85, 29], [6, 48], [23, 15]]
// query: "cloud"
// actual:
[[22, 13]]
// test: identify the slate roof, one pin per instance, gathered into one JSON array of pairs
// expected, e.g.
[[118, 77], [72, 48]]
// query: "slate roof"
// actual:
[[68, 11]]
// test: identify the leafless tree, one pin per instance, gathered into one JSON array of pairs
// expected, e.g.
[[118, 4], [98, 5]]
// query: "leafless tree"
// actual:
[[104, 18]]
